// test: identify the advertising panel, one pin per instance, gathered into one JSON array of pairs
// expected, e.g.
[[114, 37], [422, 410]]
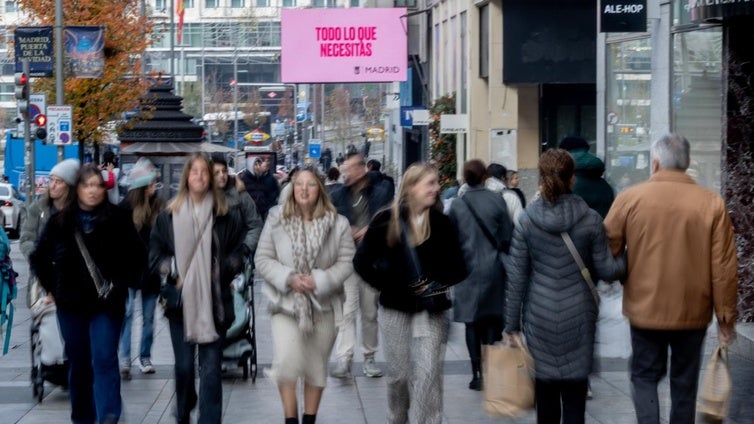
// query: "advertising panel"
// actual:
[[344, 45]]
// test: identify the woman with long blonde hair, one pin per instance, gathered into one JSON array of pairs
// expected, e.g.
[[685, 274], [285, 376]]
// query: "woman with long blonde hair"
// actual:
[[197, 247], [304, 256], [415, 338]]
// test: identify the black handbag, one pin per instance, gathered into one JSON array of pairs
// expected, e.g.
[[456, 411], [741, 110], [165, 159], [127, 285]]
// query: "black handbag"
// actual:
[[170, 298], [431, 295]]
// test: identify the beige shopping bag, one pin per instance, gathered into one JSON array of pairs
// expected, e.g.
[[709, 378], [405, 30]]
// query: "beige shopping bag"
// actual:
[[508, 378], [714, 392]]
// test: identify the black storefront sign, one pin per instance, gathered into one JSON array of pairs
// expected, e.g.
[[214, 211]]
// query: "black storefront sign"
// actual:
[[705, 10], [549, 41], [623, 16], [35, 44]]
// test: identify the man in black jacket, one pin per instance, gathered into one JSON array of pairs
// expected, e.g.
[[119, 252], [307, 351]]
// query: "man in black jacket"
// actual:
[[261, 185], [362, 195]]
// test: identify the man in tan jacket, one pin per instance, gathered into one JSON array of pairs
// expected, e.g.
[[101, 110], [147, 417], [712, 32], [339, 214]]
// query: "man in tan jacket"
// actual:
[[681, 265]]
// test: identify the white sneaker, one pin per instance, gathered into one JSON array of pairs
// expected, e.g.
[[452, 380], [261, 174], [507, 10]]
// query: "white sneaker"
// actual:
[[342, 369], [370, 368], [146, 366]]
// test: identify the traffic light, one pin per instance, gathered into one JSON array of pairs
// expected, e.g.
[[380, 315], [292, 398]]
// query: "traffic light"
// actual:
[[41, 121], [22, 91]]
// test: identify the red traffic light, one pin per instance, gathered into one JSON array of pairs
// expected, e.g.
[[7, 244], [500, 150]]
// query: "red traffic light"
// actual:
[[41, 120], [20, 78]]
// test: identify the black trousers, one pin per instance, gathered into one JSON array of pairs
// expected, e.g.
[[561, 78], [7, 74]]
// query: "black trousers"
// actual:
[[649, 365], [561, 397]]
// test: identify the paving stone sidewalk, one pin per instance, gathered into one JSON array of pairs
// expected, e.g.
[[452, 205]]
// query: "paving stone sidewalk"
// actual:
[[149, 399]]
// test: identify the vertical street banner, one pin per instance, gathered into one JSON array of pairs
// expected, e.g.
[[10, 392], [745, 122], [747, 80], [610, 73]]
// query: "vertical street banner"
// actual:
[[35, 44], [180, 10], [84, 50]]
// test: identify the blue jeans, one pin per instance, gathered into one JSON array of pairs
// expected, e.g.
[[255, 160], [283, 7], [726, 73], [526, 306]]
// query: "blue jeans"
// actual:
[[210, 376], [148, 301], [91, 344]]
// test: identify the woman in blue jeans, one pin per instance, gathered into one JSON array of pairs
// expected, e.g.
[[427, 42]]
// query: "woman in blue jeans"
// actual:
[[196, 246], [144, 205], [90, 323]]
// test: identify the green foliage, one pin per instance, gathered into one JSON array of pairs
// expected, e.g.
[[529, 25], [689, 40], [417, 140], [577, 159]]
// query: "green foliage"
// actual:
[[442, 148]]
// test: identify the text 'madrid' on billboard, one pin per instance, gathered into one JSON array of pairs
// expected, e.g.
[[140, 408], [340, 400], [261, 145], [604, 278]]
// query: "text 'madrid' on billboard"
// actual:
[[344, 45]]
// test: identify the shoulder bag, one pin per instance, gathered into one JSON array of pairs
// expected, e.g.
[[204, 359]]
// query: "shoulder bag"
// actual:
[[431, 295], [104, 286], [584, 270], [170, 294]]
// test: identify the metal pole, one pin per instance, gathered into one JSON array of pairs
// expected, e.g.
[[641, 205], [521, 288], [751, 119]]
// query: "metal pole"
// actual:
[[172, 41], [235, 98], [59, 93], [28, 140], [322, 121]]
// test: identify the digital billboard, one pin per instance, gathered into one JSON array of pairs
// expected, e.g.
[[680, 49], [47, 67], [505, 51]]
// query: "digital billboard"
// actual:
[[344, 45]]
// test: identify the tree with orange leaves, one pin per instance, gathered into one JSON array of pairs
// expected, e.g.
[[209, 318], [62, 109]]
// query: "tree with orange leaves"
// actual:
[[97, 100]]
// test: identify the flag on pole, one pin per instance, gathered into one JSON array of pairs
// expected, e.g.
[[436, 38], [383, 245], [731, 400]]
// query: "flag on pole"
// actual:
[[180, 9]]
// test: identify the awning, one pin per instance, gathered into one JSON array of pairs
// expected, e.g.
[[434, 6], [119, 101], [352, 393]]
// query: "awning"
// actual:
[[173, 148]]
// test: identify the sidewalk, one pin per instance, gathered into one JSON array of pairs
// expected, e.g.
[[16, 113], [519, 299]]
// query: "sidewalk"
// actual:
[[149, 399]]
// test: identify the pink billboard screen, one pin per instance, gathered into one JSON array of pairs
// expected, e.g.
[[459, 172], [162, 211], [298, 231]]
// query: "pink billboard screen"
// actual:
[[344, 45]]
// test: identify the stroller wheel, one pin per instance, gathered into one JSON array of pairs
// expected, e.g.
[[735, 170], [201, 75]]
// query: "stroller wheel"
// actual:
[[253, 366], [245, 368]]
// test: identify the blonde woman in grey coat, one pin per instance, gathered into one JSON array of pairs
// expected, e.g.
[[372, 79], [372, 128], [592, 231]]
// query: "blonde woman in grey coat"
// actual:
[[304, 256]]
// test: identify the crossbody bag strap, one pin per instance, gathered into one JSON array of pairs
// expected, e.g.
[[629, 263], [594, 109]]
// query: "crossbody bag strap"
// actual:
[[93, 270], [479, 222], [584, 270]]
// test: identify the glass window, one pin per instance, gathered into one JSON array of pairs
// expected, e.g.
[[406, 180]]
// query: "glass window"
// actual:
[[160, 5], [237, 4], [289, 3], [10, 6], [697, 100], [188, 4], [464, 60], [681, 12], [405, 3], [210, 4], [484, 41], [260, 3], [629, 83], [355, 3]]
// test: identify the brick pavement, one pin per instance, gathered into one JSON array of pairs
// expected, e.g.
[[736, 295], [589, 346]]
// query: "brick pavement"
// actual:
[[149, 399]]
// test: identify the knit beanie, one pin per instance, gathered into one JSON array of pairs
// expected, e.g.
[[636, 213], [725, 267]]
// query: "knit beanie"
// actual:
[[141, 175], [67, 170]]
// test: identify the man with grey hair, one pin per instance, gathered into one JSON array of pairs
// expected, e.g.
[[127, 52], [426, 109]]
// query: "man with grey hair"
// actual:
[[682, 266]]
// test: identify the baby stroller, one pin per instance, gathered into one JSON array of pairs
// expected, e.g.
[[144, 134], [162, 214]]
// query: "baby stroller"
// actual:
[[240, 345], [48, 362]]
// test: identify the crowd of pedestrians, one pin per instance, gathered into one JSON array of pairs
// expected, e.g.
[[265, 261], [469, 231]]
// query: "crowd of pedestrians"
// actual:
[[329, 250]]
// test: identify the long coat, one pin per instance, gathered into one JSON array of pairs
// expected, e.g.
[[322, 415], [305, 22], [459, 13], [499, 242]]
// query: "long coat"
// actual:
[[481, 294], [546, 293], [35, 220], [274, 261]]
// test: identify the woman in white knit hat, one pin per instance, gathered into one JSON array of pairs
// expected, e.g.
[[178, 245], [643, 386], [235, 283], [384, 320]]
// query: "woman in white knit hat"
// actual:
[[144, 204], [58, 195]]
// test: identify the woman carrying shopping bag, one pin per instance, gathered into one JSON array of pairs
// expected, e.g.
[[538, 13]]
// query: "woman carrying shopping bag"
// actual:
[[548, 296]]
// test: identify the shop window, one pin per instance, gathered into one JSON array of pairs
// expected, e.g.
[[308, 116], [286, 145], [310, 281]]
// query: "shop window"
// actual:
[[697, 100], [628, 105]]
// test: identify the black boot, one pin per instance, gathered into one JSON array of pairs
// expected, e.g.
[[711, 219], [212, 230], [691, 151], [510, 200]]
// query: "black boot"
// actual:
[[309, 419], [476, 375], [293, 420]]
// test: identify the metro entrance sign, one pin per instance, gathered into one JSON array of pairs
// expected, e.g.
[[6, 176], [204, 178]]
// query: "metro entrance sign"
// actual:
[[315, 148]]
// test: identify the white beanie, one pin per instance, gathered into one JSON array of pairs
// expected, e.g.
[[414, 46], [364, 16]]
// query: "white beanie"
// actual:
[[67, 170], [142, 174]]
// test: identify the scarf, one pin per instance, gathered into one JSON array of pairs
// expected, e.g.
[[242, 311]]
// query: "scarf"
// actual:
[[306, 240], [192, 229]]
